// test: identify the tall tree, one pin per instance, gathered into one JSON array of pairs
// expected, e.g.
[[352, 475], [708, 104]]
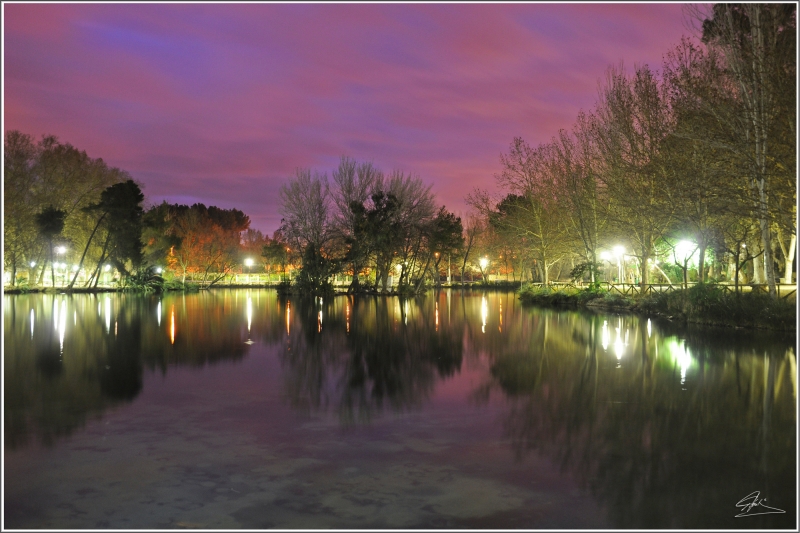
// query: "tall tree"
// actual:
[[633, 117], [120, 212], [757, 42], [354, 183], [50, 223], [19, 205]]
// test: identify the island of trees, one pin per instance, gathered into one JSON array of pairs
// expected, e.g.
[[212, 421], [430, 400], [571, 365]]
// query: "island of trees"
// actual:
[[687, 173]]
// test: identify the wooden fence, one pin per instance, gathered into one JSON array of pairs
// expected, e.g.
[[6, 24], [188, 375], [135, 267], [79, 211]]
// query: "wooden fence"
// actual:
[[629, 289]]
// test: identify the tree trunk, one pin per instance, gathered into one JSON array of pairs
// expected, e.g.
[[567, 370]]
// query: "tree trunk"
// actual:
[[758, 269], [701, 261], [86, 249], [52, 268]]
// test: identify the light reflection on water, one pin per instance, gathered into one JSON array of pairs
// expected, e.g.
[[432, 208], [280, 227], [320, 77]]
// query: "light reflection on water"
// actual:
[[621, 393]]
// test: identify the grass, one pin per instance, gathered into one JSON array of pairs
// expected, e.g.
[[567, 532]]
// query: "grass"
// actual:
[[706, 303], [568, 297]]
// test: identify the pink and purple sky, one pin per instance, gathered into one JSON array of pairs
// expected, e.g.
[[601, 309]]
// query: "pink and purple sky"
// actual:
[[219, 103]]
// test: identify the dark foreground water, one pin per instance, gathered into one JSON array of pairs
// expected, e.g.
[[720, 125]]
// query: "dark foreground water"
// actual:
[[238, 409]]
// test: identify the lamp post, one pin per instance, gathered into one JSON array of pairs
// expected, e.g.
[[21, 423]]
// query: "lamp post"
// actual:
[[619, 253], [484, 262], [248, 263], [605, 256], [60, 250]]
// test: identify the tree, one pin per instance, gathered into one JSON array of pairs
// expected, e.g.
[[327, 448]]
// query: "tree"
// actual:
[[445, 238], [581, 190], [757, 42], [471, 234], [120, 212], [354, 184], [252, 246], [531, 212], [304, 208], [19, 207], [633, 117], [276, 252], [42, 174], [50, 224]]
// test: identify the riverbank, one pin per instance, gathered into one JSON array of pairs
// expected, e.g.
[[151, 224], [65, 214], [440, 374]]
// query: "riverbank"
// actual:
[[280, 287], [703, 304]]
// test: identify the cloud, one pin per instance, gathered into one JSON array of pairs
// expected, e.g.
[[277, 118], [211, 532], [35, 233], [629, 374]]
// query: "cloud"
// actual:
[[222, 102]]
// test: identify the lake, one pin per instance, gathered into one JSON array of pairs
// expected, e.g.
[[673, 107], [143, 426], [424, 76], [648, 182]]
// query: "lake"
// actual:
[[244, 409]]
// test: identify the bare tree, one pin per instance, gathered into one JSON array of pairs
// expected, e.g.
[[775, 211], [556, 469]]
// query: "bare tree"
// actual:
[[304, 209], [757, 42], [632, 120], [354, 184]]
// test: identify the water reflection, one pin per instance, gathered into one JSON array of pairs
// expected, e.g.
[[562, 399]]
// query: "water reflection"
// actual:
[[665, 426], [366, 358], [60, 374], [672, 438]]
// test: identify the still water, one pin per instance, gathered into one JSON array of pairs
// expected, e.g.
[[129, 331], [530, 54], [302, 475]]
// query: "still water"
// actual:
[[242, 409]]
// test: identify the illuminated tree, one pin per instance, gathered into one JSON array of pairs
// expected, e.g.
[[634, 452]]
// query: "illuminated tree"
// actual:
[[50, 223]]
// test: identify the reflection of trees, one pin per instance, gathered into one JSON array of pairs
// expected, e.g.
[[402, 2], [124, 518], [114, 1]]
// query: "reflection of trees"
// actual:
[[88, 352], [368, 353], [654, 451]]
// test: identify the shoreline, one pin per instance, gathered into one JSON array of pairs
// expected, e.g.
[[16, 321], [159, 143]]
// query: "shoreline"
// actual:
[[680, 311], [755, 320]]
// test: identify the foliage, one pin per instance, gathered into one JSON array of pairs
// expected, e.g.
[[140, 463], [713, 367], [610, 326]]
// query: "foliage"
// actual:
[[579, 272], [209, 240], [711, 303], [314, 277]]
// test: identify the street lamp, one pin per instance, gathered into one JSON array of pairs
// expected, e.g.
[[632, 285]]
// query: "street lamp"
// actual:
[[60, 250], [248, 263], [605, 256], [484, 262], [619, 253]]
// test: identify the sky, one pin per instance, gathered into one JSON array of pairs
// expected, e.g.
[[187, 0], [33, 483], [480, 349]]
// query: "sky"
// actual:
[[221, 103]]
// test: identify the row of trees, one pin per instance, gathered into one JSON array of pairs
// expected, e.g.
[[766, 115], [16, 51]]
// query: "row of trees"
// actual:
[[363, 222], [56, 197], [67, 212], [704, 151], [60, 205]]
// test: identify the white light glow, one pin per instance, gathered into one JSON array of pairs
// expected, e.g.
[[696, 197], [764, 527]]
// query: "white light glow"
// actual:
[[484, 313], [250, 313], [62, 325]]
